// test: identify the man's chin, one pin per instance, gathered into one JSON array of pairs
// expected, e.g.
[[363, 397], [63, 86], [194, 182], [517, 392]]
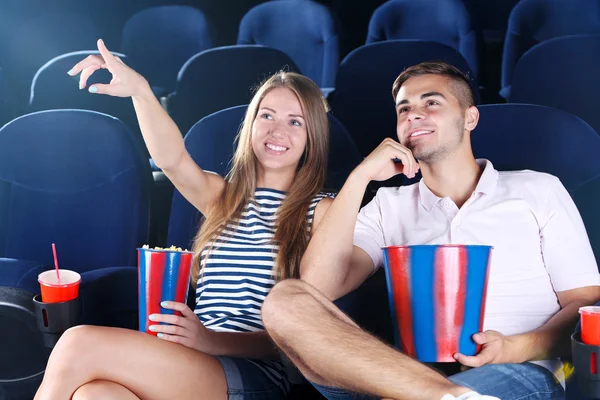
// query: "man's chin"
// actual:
[[416, 152], [422, 156]]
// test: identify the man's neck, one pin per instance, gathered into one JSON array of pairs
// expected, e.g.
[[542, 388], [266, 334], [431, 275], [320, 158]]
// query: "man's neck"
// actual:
[[456, 177]]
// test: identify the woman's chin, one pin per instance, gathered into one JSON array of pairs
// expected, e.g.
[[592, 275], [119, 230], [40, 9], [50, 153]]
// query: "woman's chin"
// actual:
[[271, 165]]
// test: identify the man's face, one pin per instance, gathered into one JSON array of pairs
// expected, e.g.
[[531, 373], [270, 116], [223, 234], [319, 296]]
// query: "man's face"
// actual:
[[431, 122]]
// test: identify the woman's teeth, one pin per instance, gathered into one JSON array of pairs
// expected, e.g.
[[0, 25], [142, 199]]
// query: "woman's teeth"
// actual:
[[276, 148]]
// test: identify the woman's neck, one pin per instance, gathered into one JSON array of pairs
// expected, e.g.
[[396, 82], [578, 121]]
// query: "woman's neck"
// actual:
[[278, 180]]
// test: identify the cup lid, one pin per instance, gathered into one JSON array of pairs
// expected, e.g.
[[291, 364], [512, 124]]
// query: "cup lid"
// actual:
[[67, 277], [589, 310]]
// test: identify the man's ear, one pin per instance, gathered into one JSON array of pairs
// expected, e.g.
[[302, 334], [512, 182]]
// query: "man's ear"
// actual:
[[471, 118]]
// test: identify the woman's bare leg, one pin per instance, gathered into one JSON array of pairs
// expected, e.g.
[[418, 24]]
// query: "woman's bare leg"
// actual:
[[103, 390], [149, 367]]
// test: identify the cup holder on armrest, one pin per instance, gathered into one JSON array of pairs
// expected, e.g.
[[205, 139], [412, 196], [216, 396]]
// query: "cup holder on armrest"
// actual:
[[586, 360]]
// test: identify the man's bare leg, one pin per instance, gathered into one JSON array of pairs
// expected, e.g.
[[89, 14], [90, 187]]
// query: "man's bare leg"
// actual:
[[331, 350]]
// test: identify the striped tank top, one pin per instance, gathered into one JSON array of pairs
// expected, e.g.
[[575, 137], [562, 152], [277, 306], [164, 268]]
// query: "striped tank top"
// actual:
[[238, 273]]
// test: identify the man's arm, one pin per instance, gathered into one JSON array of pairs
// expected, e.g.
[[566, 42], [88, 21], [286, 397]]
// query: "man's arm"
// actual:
[[573, 271], [553, 339], [331, 262]]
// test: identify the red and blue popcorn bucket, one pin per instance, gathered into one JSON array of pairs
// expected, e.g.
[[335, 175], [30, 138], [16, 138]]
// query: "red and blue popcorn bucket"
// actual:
[[437, 297], [163, 275]]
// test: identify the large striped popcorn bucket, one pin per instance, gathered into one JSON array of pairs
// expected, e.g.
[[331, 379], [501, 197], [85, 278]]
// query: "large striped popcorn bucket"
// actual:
[[164, 275], [437, 298]]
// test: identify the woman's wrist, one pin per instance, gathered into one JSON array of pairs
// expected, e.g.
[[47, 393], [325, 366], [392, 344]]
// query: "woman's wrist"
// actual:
[[143, 91]]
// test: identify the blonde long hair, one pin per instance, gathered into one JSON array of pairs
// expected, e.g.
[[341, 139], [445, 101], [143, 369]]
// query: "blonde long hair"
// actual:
[[291, 234]]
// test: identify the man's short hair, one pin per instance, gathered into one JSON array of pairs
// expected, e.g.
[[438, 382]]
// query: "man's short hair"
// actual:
[[460, 83]]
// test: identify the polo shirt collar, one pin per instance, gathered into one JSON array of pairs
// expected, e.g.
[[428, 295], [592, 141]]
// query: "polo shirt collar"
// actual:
[[486, 185]]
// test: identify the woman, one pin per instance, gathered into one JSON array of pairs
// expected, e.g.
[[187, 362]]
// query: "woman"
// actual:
[[257, 226]]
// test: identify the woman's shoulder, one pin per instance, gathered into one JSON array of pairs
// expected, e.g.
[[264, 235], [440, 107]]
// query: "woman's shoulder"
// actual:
[[322, 197], [321, 203]]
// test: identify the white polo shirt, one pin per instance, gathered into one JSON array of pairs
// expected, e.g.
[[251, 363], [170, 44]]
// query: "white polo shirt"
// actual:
[[540, 243]]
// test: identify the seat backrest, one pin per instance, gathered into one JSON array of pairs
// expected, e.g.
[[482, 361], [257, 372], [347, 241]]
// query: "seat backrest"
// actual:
[[535, 21], [75, 178], [6, 105], [20, 274], [43, 37], [51, 79], [159, 40], [443, 21], [524, 136], [490, 17], [223, 77], [363, 101], [305, 30], [211, 144], [343, 155], [561, 73]]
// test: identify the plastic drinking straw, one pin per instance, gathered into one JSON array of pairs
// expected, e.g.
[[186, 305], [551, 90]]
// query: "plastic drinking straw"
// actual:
[[55, 261]]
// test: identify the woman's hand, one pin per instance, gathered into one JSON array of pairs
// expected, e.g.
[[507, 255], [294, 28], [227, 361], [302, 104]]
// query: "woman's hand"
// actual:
[[185, 329], [125, 81]]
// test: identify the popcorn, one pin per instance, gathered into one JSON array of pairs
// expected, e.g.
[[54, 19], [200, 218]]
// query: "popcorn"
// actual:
[[172, 248]]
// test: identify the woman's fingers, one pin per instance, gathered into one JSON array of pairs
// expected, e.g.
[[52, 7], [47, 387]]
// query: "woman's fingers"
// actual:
[[100, 88], [167, 318], [125, 82], [92, 59], [187, 342], [105, 57], [172, 319], [106, 54], [169, 329], [181, 307], [86, 73]]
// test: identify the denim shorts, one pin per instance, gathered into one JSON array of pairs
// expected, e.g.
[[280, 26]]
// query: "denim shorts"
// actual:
[[331, 393], [246, 381], [525, 381]]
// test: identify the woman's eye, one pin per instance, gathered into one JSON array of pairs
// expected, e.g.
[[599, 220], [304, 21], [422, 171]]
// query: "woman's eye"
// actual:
[[295, 122], [266, 116], [432, 103]]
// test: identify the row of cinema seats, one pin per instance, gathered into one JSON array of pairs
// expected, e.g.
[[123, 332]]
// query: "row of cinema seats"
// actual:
[[159, 40], [77, 178], [212, 80], [174, 34], [557, 73], [554, 73]]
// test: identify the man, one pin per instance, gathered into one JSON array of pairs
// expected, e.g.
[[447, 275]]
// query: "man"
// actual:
[[542, 268]]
